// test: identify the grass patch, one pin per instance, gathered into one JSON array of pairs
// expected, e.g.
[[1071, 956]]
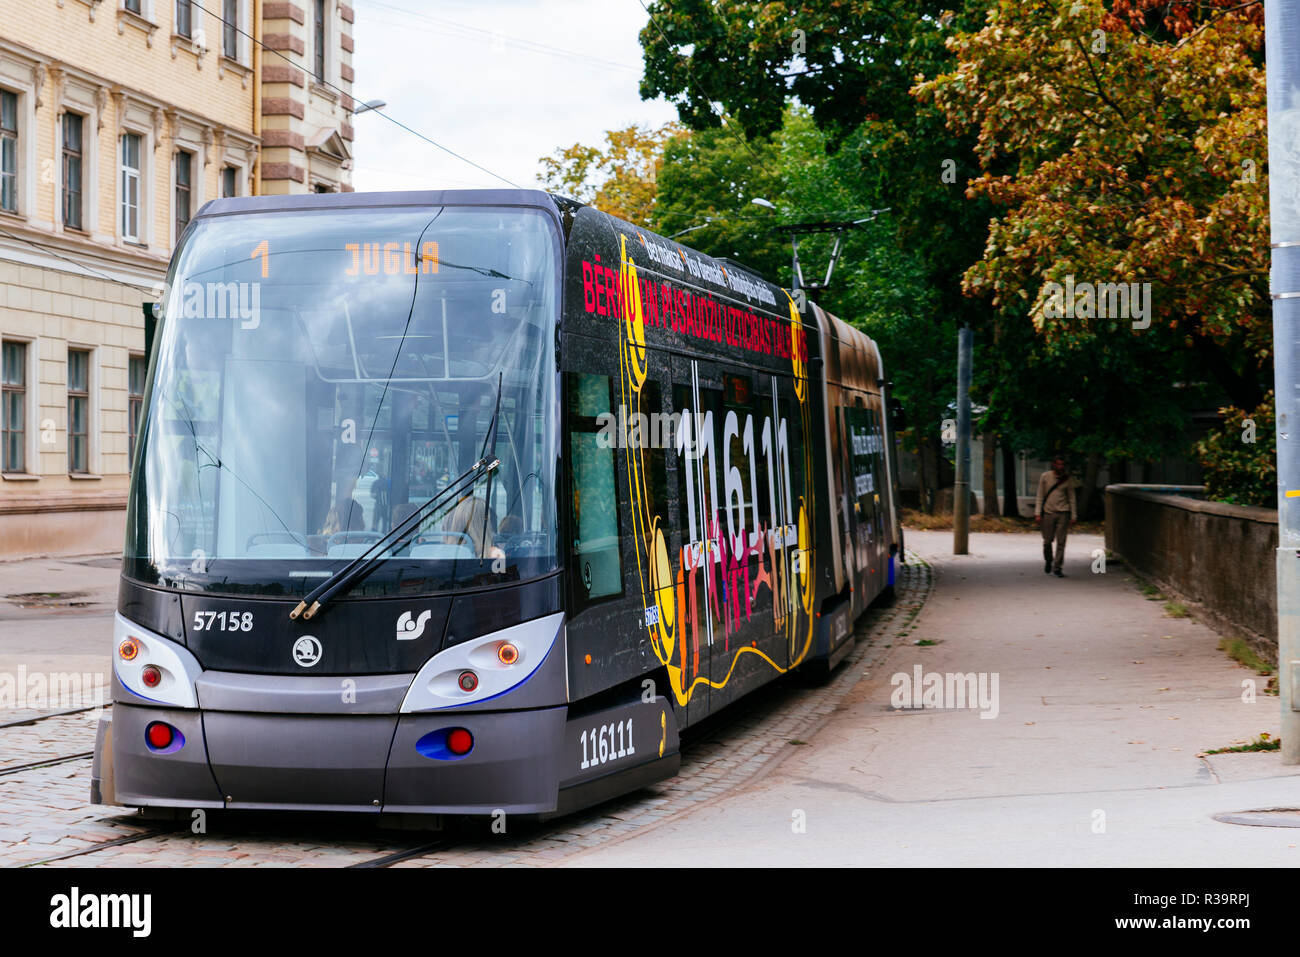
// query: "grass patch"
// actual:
[[1176, 609], [925, 642], [1239, 651], [1263, 743], [1151, 592]]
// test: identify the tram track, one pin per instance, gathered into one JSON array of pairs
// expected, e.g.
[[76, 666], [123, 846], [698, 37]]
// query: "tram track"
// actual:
[[388, 860], [27, 722], [100, 846], [45, 763]]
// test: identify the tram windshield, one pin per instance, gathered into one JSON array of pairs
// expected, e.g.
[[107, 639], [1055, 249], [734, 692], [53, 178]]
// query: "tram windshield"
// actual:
[[322, 374]]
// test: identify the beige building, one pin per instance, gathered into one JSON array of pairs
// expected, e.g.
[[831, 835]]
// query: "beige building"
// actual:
[[118, 120]]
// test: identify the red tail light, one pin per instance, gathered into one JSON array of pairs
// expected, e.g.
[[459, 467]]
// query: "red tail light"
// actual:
[[159, 735]]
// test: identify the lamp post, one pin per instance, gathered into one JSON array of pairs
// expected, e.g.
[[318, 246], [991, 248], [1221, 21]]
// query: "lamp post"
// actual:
[[1282, 48], [369, 105]]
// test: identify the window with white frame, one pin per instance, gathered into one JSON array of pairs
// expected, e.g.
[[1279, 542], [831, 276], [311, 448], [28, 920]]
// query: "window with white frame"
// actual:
[[230, 29], [130, 186], [184, 18], [229, 181], [72, 160], [13, 408], [8, 151], [137, 367], [318, 39], [184, 179], [133, 6], [78, 411]]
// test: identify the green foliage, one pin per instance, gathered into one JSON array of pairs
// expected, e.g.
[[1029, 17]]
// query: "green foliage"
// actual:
[[1263, 743], [1239, 471], [1241, 652], [1122, 154]]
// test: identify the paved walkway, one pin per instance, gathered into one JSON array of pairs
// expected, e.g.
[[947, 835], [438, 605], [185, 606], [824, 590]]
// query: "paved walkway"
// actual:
[[1104, 706], [56, 617]]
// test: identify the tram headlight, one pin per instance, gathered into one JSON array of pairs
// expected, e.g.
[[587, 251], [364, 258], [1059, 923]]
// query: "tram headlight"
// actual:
[[151, 675], [507, 653], [468, 681], [128, 649]]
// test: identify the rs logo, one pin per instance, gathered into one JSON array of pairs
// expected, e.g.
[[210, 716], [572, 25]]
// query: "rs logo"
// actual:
[[408, 630]]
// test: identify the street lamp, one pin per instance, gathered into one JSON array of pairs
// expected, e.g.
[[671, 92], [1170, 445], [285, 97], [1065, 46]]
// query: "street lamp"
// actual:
[[370, 105], [690, 229]]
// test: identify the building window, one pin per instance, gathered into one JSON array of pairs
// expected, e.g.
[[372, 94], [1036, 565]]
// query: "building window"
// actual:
[[72, 123], [183, 12], [133, 6], [229, 35], [78, 410], [130, 195], [136, 368], [319, 36], [8, 151], [229, 182], [184, 165], [13, 407]]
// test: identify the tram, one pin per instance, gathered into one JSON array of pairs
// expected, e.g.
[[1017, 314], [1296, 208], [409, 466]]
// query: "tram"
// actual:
[[468, 502]]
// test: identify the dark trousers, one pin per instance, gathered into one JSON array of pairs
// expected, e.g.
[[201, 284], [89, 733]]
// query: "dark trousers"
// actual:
[[1056, 525]]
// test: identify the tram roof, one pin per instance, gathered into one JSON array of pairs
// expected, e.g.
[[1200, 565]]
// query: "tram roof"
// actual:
[[428, 197]]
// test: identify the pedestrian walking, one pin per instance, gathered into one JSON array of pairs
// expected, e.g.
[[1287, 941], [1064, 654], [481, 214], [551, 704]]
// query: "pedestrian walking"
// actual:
[[1054, 509]]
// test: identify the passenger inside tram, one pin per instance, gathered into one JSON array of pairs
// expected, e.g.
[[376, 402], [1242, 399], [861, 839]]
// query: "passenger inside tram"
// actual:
[[346, 514], [470, 520]]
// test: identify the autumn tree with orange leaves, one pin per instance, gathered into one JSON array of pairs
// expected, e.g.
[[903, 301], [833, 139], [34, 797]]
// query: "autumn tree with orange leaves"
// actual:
[[620, 178], [1134, 135]]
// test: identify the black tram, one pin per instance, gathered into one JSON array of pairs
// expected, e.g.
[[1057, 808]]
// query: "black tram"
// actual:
[[470, 501]]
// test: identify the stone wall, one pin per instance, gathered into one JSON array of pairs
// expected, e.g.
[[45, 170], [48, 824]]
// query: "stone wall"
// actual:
[[1221, 557]]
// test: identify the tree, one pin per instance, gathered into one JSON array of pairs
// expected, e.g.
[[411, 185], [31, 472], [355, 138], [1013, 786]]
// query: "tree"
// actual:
[[850, 65], [1142, 170], [621, 179]]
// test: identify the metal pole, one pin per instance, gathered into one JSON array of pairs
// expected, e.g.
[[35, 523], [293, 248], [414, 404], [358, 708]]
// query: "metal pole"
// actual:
[[1282, 51], [961, 488]]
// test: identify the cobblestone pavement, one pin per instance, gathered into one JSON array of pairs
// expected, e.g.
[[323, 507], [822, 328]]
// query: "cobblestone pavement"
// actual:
[[45, 817]]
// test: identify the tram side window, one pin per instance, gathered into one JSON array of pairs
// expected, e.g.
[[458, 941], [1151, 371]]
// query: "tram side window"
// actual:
[[596, 543]]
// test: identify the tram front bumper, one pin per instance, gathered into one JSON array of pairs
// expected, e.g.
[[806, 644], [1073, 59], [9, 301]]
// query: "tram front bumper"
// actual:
[[355, 763]]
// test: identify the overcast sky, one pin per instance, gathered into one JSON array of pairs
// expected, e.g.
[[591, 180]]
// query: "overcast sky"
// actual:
[[501, 82]]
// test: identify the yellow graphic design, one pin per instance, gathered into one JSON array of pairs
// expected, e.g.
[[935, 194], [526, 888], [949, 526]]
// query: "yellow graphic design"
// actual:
[[792, 582]]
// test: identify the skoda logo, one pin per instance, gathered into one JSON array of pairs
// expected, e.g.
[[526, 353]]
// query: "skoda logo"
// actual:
[[306, 651]]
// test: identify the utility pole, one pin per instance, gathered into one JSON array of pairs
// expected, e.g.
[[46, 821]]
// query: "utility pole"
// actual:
[[1282, 51], [961, 489]]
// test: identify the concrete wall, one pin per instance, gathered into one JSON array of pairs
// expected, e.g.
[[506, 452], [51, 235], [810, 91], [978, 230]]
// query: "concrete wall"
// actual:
[[1219, 556]]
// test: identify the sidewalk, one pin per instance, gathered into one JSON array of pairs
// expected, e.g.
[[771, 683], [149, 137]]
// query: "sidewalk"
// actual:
[[56, 615], [1104, 704]]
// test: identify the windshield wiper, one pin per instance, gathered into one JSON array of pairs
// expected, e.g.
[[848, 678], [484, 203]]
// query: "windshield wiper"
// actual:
[[356, 568], [345, 577]]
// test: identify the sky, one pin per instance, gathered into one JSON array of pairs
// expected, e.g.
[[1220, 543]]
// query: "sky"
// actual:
[[501, 82]]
